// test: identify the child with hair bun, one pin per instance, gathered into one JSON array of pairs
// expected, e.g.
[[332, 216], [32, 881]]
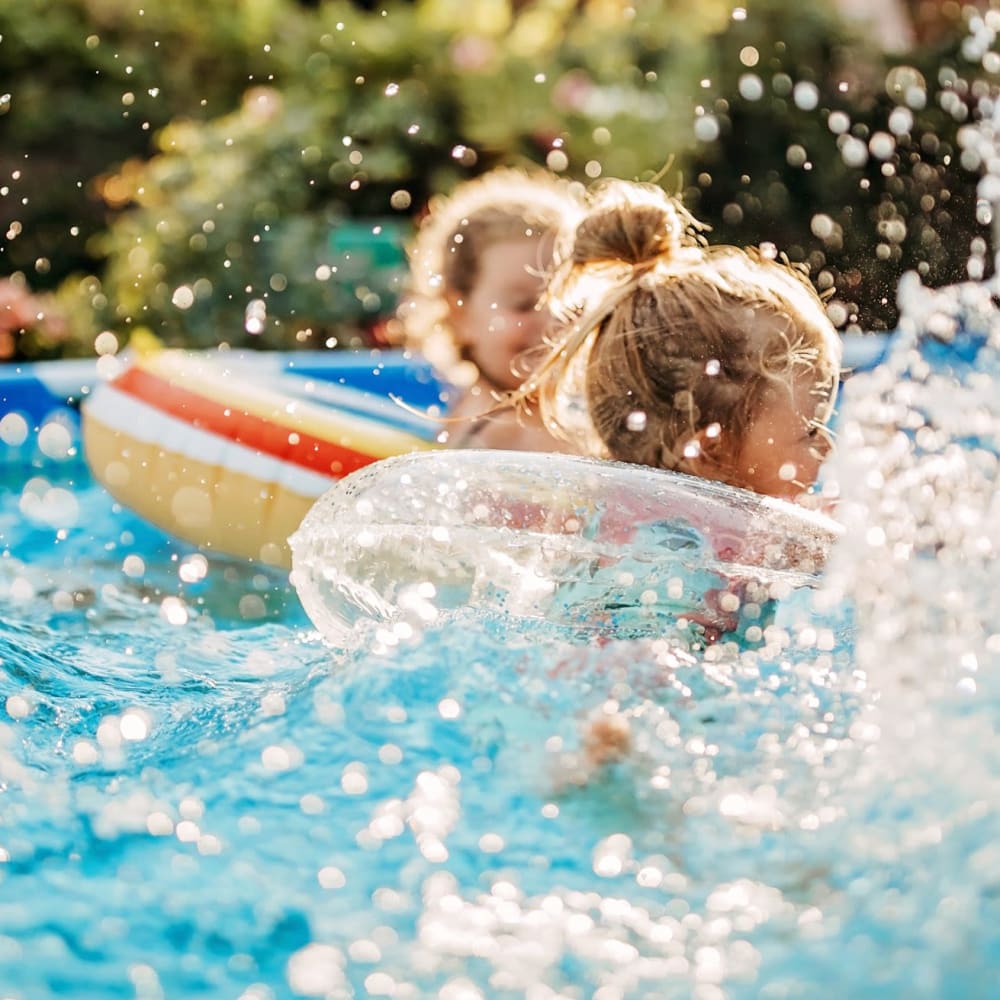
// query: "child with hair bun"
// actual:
[[717, 362], [713, 361], [478, 266]]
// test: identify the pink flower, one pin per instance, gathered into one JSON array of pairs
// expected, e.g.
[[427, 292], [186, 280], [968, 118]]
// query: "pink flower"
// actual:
[[472, 54], [572, 90], [22, 310], [18, 307]]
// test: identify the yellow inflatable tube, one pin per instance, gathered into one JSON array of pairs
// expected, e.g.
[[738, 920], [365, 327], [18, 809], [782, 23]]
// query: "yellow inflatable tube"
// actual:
[[215, 454]]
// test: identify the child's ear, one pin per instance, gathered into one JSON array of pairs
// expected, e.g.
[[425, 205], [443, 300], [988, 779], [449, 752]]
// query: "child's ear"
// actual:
[[711, 456]]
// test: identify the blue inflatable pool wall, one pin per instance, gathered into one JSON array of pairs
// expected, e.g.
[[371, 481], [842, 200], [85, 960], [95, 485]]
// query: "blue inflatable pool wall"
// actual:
[[39, 390]]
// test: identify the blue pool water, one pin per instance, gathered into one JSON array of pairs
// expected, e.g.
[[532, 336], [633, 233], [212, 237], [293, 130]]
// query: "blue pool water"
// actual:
[[201, 799]]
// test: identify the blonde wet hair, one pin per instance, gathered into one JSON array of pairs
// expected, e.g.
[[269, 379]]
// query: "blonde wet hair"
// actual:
[[669, 346], [504, 204]]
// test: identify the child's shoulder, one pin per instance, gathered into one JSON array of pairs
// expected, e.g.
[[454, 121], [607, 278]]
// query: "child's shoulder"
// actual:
[[475, 422]]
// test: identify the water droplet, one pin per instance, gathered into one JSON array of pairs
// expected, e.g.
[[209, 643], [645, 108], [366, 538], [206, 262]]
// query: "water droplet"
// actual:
[[464, 155], [55, 440], [133, 566], [173, 611], [557, 160], [106, 343], [751, 87], [134, 725], [706, 128], [853, 151], [183, 297], [882, 145], [796, 155], [805, 95], [900, 121], [18, 707], [838, 122], [193, 568], [822, 226], [13, 429], [449, 708], [636, 421], [255, 316]]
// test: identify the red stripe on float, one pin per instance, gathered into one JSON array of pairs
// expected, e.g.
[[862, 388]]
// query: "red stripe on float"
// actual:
[[266, 436]]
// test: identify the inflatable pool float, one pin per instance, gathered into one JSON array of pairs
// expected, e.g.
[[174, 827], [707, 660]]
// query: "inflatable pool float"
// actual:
[[584, 545], [230, 457]]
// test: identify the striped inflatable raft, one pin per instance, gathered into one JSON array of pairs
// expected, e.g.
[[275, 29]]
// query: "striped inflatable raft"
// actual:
[[230, 457]]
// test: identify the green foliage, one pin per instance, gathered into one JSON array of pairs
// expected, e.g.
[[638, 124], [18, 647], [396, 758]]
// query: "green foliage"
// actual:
[[377, 112], [248, 172], [89, 82], [842, 157]]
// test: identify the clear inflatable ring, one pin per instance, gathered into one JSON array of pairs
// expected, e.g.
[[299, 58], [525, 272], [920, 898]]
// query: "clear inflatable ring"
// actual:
[[585, 546]]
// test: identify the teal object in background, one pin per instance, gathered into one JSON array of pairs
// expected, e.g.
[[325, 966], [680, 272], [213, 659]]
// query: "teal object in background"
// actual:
[[375, 244]]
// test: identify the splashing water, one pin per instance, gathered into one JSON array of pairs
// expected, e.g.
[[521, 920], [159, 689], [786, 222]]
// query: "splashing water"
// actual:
[[195, 804], [917, 463], [255, 317], [192, 809]]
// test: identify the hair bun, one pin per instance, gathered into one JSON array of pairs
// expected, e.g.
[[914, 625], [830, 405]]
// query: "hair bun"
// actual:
[[631, 224]]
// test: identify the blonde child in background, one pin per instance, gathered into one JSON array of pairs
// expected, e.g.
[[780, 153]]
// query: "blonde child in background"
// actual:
[[718, 362], [478, 266]]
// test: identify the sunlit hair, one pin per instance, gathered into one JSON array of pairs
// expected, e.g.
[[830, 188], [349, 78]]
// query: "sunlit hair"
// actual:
[[669, 346], [504, 204]]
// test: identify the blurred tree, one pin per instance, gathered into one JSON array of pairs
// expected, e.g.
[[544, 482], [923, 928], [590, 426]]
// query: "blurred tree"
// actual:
[[248, 214], [249, 172], [85, 84], [842, 156]]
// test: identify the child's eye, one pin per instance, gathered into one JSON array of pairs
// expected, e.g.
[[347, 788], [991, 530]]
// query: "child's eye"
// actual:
[[820, 433], [813, 431]]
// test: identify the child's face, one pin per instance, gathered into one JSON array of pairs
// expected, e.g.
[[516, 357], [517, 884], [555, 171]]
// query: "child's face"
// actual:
[[498, 319], [782, 450]]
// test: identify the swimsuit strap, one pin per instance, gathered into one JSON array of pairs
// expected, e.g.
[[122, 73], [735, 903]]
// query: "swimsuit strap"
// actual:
[[475, 426]]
